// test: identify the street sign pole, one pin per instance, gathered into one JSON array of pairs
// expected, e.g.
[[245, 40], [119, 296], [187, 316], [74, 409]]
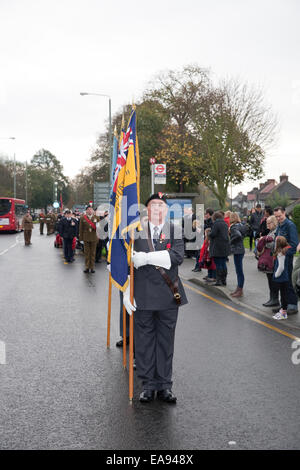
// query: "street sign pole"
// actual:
[[152, 162], [152, 179]]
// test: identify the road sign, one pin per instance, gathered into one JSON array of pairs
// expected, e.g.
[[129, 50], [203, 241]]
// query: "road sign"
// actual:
[[152, 161], [160, 173]]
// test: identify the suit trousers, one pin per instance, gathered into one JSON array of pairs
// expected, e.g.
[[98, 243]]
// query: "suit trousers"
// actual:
[[90, 254], [27, 236], [68, 252], [154, 337]]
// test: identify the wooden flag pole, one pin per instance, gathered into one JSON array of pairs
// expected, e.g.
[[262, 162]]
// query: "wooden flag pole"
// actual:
[[124, 337], [131, 323], [109, 312]]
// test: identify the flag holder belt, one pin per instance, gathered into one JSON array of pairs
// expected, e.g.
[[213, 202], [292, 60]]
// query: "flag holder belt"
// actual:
[[173, 285]]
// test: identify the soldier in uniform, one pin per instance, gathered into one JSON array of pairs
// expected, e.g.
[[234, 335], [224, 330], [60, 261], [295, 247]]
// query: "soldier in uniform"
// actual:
[[48, 220], [53, 222], [158, 293], [42, 222], [27, 226], [87, 234]]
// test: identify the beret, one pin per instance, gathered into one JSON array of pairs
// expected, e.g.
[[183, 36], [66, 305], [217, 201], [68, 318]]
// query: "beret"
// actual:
[[160, 196]]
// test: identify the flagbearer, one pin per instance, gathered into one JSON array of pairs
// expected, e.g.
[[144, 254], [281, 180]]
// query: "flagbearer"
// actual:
[[158, 292], [87, 234]]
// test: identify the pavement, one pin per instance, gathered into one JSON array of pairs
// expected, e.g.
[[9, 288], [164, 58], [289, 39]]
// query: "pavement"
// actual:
[[256, 291]]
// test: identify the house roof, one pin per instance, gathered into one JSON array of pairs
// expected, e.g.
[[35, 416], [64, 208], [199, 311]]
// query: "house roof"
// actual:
[[285, 187], [268, 188]]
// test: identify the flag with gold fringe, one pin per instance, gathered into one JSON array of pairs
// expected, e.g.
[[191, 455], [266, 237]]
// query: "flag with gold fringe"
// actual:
[[125, 203]]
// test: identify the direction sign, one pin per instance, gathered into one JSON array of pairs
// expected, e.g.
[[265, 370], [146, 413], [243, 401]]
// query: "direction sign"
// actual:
[[101, 193]]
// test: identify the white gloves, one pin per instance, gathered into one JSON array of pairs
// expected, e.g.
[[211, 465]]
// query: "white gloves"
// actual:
[[279, 270], [126, 301], [156, 258]]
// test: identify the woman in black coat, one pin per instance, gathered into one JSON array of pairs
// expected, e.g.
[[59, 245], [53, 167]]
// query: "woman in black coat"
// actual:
[[219, 247]]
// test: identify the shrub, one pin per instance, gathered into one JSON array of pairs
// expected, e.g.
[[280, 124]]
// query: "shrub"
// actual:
[[296, 217]]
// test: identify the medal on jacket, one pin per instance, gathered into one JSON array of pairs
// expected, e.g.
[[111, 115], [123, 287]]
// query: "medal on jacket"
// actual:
[[162, 237]]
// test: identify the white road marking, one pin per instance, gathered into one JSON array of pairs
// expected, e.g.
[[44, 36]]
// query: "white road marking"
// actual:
[[11, 246]]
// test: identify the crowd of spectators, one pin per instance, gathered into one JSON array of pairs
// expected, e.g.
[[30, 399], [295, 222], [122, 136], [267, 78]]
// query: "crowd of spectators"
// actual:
[[274, 239]]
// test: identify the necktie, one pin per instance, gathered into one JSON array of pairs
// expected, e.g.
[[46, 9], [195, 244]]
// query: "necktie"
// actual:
[[155, 236]]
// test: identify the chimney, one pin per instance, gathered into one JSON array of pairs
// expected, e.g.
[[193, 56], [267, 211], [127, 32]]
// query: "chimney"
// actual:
[[283, 177], [261, 185]]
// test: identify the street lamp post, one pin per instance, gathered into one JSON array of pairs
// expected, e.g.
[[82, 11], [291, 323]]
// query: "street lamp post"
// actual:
[[110, 127]]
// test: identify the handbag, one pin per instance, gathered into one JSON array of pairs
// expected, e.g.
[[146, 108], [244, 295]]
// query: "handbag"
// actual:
[[265, 261]]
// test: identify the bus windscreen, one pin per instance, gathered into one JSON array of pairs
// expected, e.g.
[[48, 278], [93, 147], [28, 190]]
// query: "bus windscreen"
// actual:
[[5, 206]]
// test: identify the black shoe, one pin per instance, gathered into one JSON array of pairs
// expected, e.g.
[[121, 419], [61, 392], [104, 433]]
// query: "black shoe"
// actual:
[[119, 344], [167, 396], [86, 271], [196, 270], [146, 396], [92, 271], [272, 303]]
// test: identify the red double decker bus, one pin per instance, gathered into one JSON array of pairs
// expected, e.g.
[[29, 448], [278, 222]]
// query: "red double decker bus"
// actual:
[[11, 213]]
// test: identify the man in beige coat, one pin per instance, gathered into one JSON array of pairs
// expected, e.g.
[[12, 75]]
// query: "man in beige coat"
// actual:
[[27, 226], [87, 234]]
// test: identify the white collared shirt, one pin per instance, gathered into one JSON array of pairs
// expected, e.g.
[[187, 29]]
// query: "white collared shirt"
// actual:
[[151, 225]]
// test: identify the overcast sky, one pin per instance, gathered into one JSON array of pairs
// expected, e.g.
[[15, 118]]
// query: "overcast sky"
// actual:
[[50, 51]]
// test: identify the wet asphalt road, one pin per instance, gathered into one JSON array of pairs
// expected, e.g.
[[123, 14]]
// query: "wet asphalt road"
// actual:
[[62, 389]]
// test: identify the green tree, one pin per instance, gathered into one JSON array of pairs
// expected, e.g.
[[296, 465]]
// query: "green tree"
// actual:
[[6, 178], [230, 123], [296, 216], [44, 170], [277, 199]]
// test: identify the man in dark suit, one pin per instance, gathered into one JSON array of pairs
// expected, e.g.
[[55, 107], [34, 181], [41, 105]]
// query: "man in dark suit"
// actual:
[[67, 231], [158, 291]]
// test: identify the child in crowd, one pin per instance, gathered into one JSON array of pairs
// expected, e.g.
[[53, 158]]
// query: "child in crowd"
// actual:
[[205, 260], [281, 275]]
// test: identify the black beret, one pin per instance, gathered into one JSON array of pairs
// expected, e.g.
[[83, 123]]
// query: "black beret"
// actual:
[[160, 196]]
